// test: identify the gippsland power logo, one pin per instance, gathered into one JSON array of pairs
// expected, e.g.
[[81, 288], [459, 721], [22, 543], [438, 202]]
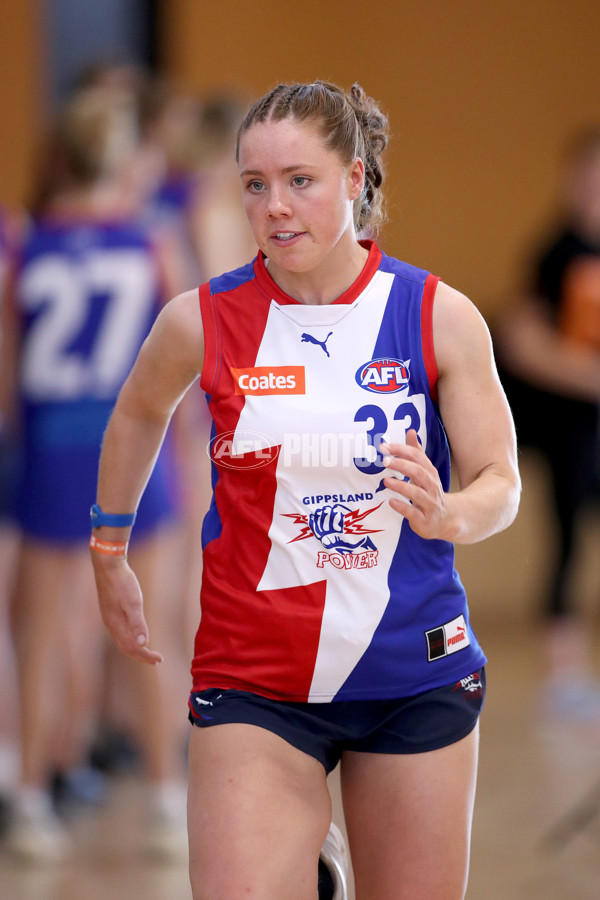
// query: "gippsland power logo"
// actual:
[[342, 533]]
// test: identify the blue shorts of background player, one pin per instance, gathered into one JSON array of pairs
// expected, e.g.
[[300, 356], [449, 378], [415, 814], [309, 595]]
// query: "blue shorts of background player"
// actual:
[[57, 475]]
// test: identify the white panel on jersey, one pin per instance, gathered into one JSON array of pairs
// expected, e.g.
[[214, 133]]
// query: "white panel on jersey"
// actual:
[[320, 434]]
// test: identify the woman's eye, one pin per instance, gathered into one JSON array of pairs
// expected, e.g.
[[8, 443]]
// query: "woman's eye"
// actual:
[[299, 180], [255, 186]]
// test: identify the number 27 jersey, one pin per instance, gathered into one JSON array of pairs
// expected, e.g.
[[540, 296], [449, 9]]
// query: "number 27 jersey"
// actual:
[[314, 588]]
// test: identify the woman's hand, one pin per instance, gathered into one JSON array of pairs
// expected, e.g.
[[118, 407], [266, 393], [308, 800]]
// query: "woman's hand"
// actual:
[[168, 363], [425, 504], [121, 608], [480, 432]]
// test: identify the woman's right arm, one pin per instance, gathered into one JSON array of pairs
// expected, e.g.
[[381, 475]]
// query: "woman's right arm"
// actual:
[[169, 361], [532, 348]]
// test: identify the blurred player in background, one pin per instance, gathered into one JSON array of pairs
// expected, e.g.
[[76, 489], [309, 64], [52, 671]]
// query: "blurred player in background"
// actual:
[[89, 282], [11, 224], [549, 348]]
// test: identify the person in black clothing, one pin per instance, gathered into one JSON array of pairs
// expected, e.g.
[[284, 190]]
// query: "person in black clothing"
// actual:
[[549, 351]]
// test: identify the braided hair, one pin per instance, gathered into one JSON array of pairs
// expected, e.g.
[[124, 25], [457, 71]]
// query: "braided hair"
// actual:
[[351, 124]]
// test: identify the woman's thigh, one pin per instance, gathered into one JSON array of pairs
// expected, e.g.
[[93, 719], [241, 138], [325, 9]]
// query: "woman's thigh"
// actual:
[[409, 821], [258, 813]]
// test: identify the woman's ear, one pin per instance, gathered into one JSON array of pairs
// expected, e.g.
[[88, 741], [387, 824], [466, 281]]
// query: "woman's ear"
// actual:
[[356, 177]]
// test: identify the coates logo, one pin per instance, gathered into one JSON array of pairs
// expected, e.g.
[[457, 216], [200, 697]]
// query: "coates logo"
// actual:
[[262, 380], [383, 376], [242, 449]]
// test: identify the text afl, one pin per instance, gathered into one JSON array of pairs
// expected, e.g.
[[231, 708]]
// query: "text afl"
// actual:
[[242, 449], [384, 375], [263, 380]]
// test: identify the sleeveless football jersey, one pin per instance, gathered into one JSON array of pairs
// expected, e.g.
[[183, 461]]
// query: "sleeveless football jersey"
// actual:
[[313, 587], [87, 294]]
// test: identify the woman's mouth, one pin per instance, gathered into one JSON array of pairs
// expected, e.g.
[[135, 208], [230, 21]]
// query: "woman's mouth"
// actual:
[[285, 236]]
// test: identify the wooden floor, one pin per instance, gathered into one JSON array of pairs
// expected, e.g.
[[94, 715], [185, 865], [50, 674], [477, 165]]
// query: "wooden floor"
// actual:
[[536, 829]]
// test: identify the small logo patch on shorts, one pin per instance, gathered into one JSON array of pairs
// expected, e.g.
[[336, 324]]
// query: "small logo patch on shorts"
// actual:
[[447, 639], [471, 686]]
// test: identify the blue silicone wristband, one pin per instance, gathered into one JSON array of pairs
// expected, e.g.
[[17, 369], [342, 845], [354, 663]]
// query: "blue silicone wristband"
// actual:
[[113, 520]]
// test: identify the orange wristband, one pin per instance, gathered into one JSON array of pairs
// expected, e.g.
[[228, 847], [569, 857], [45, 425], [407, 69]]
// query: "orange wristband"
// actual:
[[109, 548]]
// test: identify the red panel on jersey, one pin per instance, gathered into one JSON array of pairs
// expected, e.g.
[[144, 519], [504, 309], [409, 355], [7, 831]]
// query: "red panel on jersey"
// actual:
[[238, 643]]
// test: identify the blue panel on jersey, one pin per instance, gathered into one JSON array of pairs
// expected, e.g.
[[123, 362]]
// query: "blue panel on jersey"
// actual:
[[232, 280], [211, 525], [399, 642]]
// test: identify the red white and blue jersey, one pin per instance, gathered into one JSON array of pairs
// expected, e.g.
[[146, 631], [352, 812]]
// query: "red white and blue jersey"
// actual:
[[314, 588], [86, 295]]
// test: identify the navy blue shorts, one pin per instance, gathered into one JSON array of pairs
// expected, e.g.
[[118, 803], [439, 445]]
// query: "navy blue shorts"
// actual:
[[416, 724]]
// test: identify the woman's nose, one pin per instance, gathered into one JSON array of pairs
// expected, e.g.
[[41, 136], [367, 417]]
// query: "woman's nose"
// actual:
[[278, 203]]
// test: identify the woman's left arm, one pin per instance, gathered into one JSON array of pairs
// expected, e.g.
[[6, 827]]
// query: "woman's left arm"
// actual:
[[480, 430]]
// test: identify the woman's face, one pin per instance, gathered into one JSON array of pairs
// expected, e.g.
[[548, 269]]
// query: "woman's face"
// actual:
[[297, 193]]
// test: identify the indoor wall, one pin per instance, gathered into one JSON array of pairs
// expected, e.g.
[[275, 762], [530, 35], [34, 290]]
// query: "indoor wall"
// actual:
[[480, 97]]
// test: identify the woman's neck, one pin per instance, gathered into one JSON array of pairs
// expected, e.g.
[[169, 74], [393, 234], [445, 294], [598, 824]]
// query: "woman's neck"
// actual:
[[324, 284]]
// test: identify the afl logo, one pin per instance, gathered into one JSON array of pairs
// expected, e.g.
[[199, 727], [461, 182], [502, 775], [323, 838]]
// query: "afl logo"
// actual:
[[383, 376], [242, 450]]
